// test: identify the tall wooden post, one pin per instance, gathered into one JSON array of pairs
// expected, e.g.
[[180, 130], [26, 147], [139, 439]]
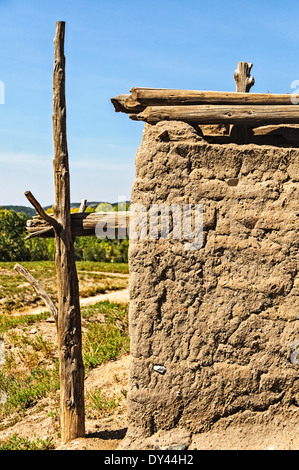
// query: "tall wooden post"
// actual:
[[69, 316]]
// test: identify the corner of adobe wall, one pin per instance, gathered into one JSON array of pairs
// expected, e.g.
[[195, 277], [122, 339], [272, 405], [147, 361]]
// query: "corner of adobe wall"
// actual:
[[221, 320]]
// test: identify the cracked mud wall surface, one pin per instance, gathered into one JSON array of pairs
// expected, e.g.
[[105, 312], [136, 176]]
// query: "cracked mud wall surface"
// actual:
[[221, 319]]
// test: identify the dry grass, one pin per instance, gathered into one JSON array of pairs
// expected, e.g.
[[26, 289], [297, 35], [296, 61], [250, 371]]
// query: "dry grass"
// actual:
[[18, 295], [30, 371]]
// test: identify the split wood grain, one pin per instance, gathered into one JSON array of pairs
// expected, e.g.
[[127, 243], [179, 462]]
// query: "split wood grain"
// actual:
[[234, 114], [159, 96]]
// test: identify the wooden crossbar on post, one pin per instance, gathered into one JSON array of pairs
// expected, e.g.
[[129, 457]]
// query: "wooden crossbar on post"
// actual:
[[83, 224]]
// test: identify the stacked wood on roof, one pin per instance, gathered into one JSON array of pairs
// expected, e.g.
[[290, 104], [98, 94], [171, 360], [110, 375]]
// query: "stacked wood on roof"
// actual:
[[208, 107], [211, 107]]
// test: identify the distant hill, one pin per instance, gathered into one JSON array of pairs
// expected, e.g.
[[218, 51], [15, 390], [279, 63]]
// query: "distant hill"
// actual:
[[94, 204], [30, 212]]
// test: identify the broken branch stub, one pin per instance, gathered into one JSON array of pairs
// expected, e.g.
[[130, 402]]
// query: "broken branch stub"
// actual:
[[83, 205], [244, 81], [47, 218]]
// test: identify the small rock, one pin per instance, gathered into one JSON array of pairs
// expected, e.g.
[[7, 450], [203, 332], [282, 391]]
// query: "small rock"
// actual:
[[50, 319], [3, 397], [2, 353], [177, 447], [160, 369], [33, 331], [232, 181]]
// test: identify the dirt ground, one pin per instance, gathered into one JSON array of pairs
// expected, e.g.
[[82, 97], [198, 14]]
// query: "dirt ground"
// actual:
[[40, 421], [242, 431], [105, 433]]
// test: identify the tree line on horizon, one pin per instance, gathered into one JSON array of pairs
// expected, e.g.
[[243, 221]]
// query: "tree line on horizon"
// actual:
[[14, 246]]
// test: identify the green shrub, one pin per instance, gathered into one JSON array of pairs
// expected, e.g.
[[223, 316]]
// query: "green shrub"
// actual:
[[22, 392], [21, 443], [14, 247], [12, 240]]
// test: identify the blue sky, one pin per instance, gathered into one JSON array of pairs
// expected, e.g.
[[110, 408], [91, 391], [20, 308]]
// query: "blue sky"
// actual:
[[110, 47]]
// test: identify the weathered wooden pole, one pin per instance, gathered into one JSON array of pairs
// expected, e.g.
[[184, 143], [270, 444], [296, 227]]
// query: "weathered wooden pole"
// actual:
[[69, 316], [244, 81]]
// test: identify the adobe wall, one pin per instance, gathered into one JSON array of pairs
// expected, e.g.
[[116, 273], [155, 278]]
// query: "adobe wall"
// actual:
[[221, 319]]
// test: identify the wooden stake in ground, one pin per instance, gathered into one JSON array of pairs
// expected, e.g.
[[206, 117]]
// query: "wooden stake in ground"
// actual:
[[69, 316]]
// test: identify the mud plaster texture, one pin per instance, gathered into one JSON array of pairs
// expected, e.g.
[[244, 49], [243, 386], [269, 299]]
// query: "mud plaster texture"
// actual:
[[221, 319]]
